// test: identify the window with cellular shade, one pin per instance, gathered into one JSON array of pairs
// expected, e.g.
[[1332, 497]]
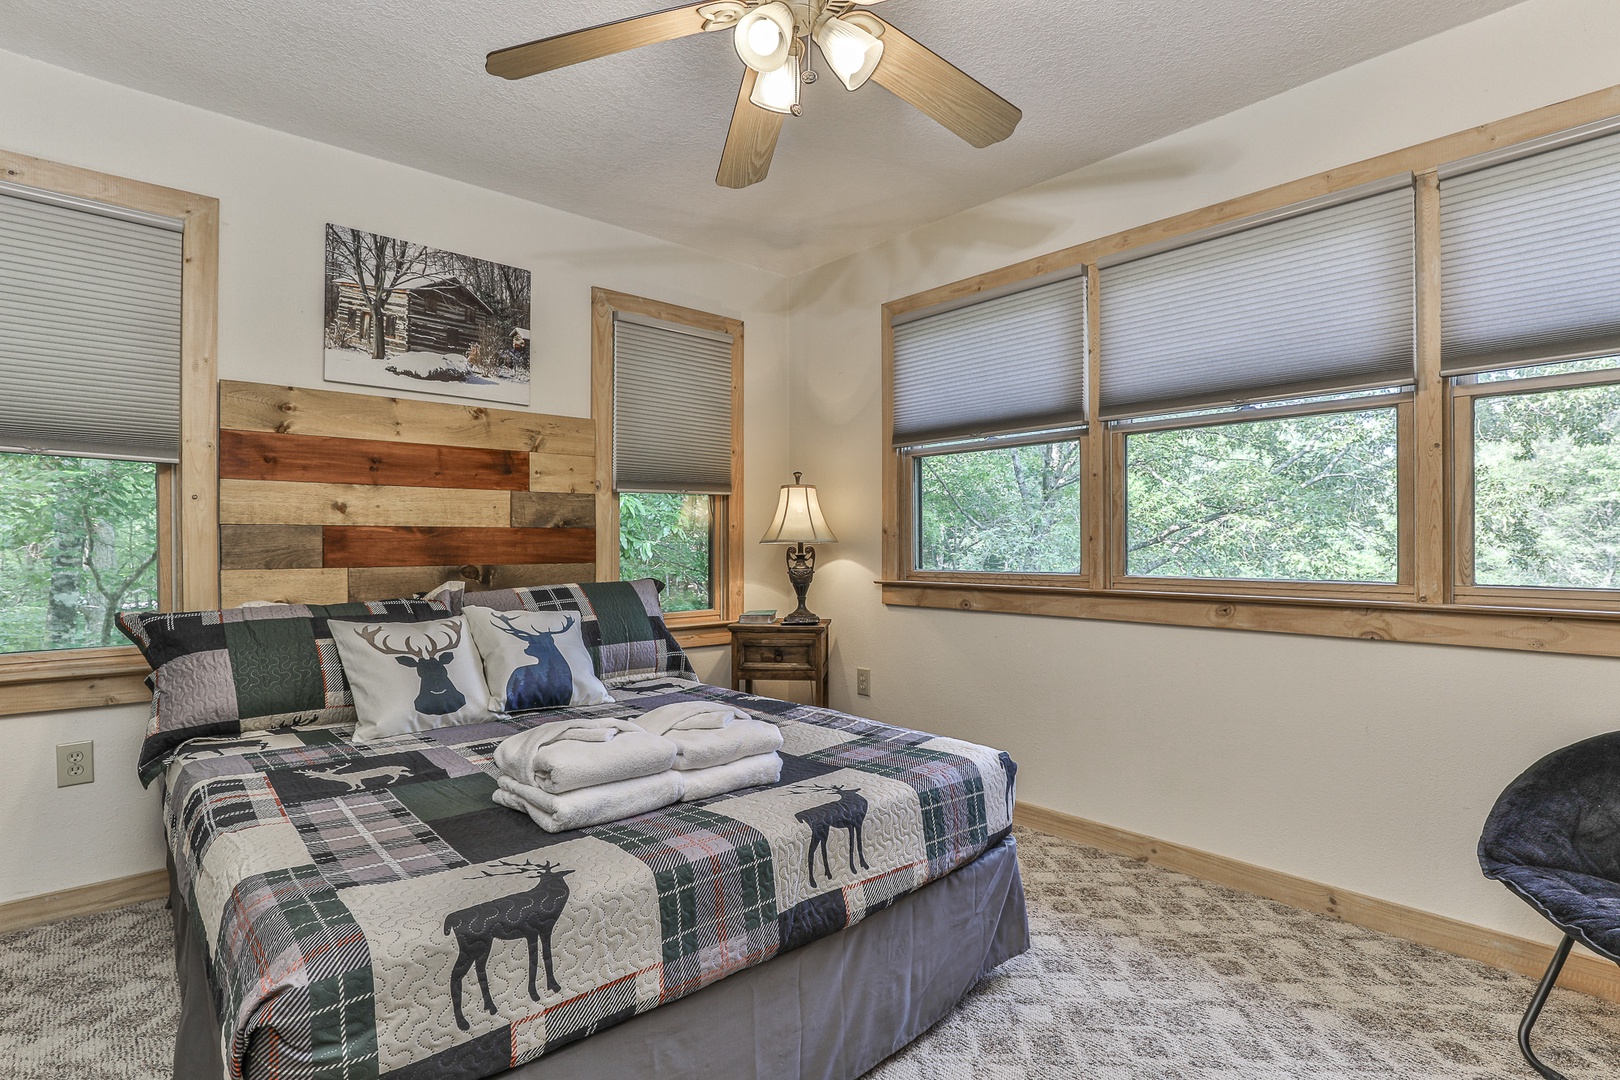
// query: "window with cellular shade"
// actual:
[[89, 329], [1314, 303], [671, 407], [1530, 259], [1005, 365]]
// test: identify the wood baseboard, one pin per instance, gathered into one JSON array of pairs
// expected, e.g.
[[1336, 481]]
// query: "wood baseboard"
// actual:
[[1586, 972], [84, 900]]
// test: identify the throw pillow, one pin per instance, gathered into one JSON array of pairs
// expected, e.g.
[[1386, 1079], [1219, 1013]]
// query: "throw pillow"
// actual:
[[411, 677], [534, 659]]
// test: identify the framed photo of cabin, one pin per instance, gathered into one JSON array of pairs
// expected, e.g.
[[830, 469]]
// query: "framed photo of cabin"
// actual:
[[406, 316]]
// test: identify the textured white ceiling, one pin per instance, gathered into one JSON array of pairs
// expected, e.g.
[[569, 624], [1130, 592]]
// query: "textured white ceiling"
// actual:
[[634, 139]]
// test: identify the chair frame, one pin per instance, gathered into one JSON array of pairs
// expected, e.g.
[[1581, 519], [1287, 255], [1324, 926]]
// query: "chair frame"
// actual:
[[1533, 1013]]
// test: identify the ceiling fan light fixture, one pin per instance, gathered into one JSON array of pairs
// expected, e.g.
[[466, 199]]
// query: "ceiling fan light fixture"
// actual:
[[764, 36], [851, 51], [778, 89]]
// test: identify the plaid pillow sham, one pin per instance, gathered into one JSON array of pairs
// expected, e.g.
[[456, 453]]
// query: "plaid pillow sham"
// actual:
[[621, 623], [250, 668]]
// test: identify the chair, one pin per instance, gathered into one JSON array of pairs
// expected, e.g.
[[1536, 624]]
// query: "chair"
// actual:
[[1553, 837]]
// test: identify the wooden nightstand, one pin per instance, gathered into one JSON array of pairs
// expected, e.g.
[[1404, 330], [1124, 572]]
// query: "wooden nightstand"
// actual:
[[773, 651]]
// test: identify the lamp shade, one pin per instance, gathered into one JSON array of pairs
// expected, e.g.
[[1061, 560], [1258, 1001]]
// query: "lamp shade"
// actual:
[[778, 89], [764, 36], [851, 52], [798, 517]]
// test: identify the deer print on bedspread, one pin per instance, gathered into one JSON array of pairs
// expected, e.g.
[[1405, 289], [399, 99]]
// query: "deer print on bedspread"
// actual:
[[528, 915], [847, 813]]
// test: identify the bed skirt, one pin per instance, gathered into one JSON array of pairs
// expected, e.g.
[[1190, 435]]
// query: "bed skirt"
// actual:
[[831, 1010]]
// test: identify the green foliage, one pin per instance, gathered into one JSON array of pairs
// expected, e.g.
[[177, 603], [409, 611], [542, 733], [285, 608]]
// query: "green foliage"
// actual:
[[1309, 498], [1007, 510], [78, 543], [668, 537], [1547, 488]]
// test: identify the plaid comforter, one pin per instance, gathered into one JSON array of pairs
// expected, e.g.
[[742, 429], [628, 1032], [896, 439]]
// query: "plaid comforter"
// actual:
[[357, 900]]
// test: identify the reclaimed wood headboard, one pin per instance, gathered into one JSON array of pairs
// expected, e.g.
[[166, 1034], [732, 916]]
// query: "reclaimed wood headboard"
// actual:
[[326, 497]]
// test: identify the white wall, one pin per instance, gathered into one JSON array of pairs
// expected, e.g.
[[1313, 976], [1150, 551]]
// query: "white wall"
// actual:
[[276, 193], [1366, 765]]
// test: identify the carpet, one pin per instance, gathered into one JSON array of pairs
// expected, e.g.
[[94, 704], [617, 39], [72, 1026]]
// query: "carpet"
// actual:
[[1135, 973]]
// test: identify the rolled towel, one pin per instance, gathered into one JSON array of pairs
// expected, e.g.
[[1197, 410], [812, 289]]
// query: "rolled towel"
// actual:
[[689, 716], [719, 779], [597, 805], [565, 755], [705, 748]]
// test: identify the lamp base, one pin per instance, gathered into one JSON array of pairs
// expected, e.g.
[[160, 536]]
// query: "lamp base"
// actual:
[[801, 563], [801, 617]]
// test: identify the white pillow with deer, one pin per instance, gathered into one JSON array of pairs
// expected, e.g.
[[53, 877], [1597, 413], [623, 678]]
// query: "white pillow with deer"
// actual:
[[534, 659], [411, 676]]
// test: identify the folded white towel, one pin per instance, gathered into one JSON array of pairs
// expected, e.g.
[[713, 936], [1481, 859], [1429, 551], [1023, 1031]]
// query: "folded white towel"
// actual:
[[597, 805], [705, 748], [689, 716], [719, 779], [569, 754]]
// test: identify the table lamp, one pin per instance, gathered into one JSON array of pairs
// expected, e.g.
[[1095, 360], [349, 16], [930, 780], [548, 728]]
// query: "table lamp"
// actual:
[[798, 521]]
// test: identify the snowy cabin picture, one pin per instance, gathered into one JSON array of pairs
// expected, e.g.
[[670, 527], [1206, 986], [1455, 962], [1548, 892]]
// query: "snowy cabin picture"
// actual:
[[409, 317]]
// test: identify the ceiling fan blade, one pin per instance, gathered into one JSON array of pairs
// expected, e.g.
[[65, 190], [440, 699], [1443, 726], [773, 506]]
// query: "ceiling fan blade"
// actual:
[[751, 142], [548, 54], [923, 78]]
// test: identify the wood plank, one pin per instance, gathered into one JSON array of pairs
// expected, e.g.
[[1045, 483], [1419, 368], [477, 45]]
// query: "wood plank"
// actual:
[[326, 586], [83, 900], [603, 305], [253, 455], [368, 545], [55, 695], [562, 473], [246, 406], [1430, 526], [1584, 971], [386, 582], [269, 547], [292, 503], [198, 470], [553, 510]]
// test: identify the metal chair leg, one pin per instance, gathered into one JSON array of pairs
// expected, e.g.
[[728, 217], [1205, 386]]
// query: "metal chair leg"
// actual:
[[1534, 1011]]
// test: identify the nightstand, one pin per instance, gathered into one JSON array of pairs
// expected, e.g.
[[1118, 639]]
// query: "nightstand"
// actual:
[[772, 651]]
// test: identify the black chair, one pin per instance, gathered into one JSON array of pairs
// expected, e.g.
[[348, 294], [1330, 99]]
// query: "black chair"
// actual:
[[1553, 837]]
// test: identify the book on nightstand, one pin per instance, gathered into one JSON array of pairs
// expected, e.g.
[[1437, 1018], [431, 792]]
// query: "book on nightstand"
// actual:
[[763, 615]]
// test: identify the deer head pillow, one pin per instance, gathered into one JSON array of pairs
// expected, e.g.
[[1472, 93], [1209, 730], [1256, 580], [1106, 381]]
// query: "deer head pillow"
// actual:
[[411, 676], [534, 659]]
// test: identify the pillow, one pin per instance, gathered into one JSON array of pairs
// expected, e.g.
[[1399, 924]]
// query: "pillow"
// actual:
[[620, 622], [534, 659], [248, 669], [411, 677]]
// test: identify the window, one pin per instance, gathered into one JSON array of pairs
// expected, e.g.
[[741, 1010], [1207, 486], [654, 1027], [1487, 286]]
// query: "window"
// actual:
[[107, 420], [668, 407], [1011, 510]]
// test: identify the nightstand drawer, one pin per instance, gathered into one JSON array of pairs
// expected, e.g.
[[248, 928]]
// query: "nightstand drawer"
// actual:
[[797, 654]]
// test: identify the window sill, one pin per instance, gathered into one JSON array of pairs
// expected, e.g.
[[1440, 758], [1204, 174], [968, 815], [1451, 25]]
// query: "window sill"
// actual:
[[1528, 629], [71, 679], [700, 633]]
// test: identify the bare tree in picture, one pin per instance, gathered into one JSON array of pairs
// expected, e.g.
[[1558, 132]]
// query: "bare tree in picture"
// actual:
[[377, 265]]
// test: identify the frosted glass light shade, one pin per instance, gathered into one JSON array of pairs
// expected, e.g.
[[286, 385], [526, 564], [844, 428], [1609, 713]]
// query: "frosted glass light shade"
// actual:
[[798, 518], [778, 89], [764, 36], [851, 52]]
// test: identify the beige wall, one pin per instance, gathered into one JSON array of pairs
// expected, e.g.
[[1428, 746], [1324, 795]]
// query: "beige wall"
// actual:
[[1366, 765], [276, 193]]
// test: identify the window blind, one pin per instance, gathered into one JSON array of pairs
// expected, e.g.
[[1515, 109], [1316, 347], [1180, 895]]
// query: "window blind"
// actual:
[[1318, 302], [1530, 259], [1008, 364], [89, 329], [671, 407]]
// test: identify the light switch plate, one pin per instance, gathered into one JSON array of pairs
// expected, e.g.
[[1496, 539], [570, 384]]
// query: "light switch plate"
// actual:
[[75, 763]]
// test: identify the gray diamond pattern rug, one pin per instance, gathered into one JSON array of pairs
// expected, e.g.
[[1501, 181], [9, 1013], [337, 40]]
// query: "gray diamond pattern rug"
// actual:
[[1136, 973]]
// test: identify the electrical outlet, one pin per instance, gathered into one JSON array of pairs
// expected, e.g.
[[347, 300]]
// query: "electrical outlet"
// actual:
[[863, 681], [75, 763]]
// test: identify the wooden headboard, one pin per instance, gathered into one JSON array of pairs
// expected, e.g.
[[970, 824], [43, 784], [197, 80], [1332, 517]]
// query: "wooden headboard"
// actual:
[[326, 497]]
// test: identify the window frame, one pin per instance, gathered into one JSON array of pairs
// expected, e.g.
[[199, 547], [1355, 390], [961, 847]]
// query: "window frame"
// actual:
[[1434, 599], [187, 493], [691, 628]]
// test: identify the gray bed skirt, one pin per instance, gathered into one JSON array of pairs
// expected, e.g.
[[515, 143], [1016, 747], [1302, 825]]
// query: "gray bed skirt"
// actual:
[[830, 1010]]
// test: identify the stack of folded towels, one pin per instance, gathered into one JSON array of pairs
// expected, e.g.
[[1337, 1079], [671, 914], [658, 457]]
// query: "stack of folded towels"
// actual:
[[572, 774]]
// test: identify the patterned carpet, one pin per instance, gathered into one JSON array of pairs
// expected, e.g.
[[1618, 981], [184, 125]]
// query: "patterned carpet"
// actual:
[[1135, 973]]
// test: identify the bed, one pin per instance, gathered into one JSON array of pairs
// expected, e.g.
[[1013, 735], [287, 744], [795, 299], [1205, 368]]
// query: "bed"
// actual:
[[355, 910]]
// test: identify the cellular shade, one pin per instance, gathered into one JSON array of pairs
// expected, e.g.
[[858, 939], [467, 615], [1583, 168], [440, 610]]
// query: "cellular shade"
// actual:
[[1317, 302], [1530, 259], [1008, 364], [671, 408], [89, 330]]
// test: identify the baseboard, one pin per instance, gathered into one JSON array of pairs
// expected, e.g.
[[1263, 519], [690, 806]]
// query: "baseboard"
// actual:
[[1586, 972], [84, 900]]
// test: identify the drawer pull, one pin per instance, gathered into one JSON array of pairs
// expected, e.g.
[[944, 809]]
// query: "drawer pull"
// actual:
[[778, 656]]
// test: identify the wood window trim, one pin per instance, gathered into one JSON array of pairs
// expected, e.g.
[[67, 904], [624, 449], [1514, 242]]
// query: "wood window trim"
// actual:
[[188, 529], [691, 628], [1434, 600]]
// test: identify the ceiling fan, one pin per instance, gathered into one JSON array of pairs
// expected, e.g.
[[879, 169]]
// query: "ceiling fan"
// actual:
[[773, 39]]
